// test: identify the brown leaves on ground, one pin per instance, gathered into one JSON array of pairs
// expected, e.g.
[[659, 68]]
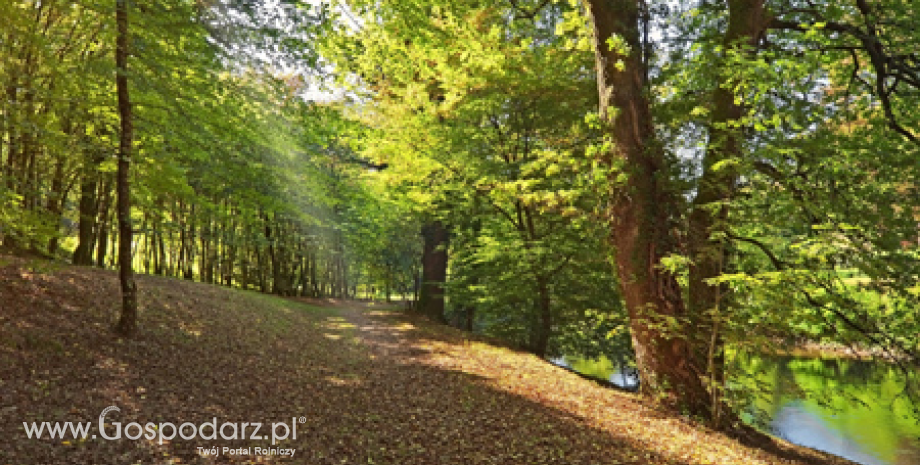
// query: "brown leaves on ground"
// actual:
[[374, 387]]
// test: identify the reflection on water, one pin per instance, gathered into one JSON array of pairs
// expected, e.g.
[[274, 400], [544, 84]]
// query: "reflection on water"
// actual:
[[849, 408], [619, 374], [795, 422]]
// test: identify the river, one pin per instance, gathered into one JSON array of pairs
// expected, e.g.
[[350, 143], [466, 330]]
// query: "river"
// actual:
[[849, 408]]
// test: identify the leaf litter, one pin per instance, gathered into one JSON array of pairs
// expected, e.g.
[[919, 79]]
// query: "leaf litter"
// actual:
[[374, 386]]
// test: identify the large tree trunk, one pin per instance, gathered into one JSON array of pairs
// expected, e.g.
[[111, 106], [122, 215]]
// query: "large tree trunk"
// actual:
[[127, 324], [434, 271], [642, 209], [707, 226]]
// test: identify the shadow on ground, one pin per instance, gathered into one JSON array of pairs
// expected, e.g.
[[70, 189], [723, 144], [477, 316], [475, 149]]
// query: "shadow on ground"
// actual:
[[371, 387]]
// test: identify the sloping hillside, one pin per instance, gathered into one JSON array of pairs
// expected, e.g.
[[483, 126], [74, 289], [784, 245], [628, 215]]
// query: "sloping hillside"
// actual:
[[369, 385]]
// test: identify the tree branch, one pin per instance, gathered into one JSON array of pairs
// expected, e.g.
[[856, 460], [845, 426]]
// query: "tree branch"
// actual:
[[885, 64]]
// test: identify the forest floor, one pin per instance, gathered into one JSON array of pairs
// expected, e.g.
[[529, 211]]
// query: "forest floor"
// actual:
[[371, 385]]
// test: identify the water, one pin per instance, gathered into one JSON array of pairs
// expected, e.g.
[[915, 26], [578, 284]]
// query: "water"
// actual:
[[846, 407], [602, 368]]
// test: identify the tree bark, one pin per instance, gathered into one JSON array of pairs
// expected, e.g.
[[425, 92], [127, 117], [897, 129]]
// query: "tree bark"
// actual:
[[707, 223], [642, 210], [11, 125], [104, 222], [55, 203], [127, 323], [434, 271], [188, 244], [544, 318], [88, 210]]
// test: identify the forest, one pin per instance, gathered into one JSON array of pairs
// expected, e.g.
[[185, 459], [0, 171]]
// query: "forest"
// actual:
[[715, 198]]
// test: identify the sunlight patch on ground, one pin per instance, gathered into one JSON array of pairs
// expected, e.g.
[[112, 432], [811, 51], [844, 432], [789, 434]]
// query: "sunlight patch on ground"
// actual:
[[338, 323], [193, 330], [345, 380]]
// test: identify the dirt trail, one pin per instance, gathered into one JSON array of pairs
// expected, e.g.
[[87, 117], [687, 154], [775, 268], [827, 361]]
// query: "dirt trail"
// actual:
[[372, 386], [566, 419]]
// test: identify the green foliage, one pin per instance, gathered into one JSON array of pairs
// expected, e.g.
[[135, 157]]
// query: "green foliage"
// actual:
[[822, 223], [480, 115], [236, 179], [483, 116]]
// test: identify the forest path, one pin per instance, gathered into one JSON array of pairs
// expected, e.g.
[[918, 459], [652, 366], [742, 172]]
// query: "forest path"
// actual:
[[479, 402], [365, 384]]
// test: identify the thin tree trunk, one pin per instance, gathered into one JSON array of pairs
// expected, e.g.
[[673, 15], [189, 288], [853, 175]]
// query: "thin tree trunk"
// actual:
[[343, 269], [145, 260], [230, 250], [55, 202], [102, 235], [180, 260], [161, 263], [127, 324], [313, 281], [12, 92], [29, 190], [386, 286], [302, 280], [277, 286], [204, 258], [469, 318], [156, 249], [188, 271], [544, 318]]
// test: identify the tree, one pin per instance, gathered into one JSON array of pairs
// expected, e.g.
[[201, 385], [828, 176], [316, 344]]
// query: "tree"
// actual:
[[643, 209], [217, 153], [127, 322], [478, 111], [434, 270], [678, 331]]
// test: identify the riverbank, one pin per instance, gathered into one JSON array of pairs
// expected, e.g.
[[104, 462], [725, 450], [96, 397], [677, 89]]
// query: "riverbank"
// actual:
[[369, 384]]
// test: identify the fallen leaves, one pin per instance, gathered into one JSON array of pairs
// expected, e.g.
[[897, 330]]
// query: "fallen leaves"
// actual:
[[374, 386]]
